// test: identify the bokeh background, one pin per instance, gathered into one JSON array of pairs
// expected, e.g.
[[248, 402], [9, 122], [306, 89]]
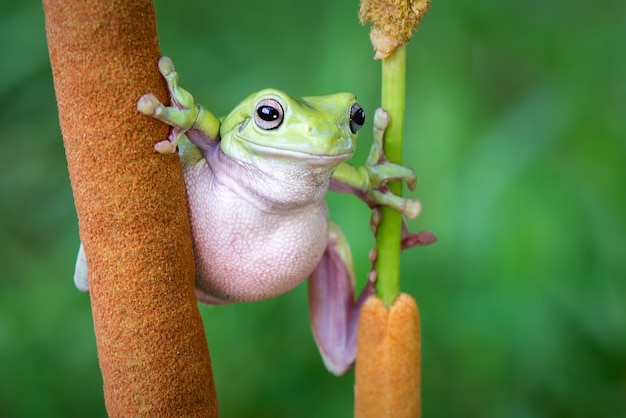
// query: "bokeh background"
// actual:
[[516, 128]]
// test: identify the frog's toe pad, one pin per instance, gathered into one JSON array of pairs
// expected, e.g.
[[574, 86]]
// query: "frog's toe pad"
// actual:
[[166, 66], [165, 147], [149, 105], [410, 208]]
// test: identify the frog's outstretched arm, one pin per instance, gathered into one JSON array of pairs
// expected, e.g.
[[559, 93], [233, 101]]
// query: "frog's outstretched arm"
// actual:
[[184, 116], [369, 183]]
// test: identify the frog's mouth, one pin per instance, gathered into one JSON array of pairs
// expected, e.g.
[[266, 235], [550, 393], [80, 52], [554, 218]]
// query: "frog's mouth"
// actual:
[[321, 159]]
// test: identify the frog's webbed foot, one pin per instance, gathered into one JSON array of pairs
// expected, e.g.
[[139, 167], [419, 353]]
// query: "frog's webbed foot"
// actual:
[[183, 115], [408, 238], [381, 172], [370, 183]]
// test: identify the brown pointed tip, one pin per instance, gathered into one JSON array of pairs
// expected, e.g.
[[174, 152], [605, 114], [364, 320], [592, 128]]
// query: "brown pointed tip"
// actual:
[[388, 365], [393, 22]]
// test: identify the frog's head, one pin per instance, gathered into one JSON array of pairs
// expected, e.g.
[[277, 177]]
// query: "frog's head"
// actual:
[[319, 130]]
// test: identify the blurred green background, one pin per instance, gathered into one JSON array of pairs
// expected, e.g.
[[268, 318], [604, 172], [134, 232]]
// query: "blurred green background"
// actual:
[[516, 128]]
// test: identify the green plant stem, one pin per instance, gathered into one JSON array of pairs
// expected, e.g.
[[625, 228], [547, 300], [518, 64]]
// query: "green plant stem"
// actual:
[[390, 229]]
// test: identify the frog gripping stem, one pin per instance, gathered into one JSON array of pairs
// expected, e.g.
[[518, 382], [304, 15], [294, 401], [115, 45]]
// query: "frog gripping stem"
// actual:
[[183, 115], [373, 182], [387, 172]]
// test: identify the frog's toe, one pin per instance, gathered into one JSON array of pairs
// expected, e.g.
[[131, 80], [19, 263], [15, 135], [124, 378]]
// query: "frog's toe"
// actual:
[[165, 147], [169, 146], [410, 208], [148, 104], [177, 117], [181, 98], [386, 172], [381, 170], [381, 121], [166, 66], [400, 173]]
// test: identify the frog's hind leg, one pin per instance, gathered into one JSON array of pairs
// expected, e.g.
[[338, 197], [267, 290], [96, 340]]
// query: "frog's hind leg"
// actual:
[[333, 310]]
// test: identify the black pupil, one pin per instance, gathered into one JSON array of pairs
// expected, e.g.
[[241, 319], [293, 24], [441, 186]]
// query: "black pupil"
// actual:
[[268, 113], [359, 116]]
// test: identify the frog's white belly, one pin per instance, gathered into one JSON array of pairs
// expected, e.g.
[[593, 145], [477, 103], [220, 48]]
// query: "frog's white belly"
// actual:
[[244, 252]]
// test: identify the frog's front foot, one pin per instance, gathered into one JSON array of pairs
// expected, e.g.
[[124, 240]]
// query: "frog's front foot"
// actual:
[[149, 105], [183, 115], [371, 182], [381, 172]]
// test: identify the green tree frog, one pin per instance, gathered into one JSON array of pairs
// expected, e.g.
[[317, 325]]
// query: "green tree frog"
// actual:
[[256, 182]]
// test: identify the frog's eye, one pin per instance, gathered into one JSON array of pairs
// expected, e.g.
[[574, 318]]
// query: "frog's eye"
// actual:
[[268, 114], [357, 118]]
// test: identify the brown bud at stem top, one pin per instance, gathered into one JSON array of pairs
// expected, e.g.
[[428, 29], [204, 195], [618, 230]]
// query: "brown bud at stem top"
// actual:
[[388, 362], [393, 22]]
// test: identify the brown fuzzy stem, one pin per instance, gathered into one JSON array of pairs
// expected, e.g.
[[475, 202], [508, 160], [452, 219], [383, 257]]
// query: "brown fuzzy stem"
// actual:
[[131, 208], [388, 362]]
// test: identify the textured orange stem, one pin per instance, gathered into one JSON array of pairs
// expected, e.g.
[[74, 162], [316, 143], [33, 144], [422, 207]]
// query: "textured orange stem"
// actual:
[[131, 208], [388, 362]]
